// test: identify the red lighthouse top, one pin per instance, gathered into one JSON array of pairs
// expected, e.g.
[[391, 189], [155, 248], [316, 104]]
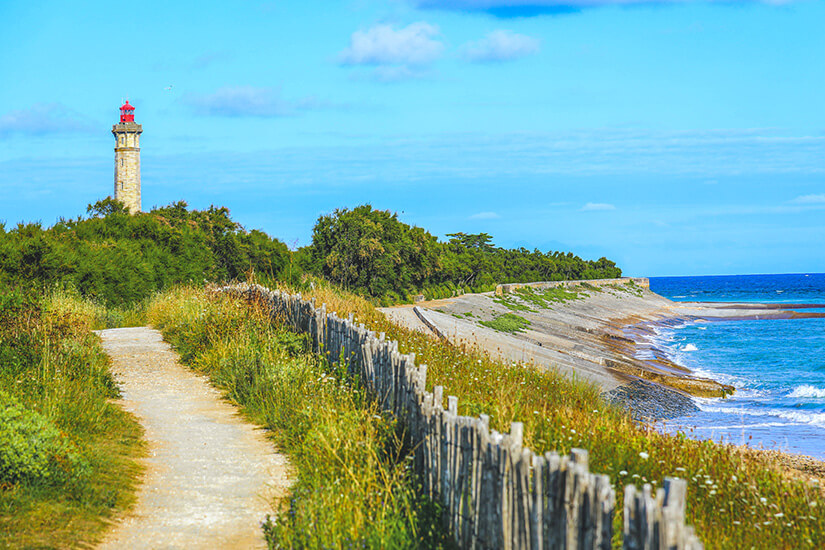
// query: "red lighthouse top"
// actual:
[[127, 112]]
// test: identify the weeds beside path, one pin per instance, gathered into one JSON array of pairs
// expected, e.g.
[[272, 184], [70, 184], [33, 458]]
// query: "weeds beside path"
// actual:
[[68, 455]]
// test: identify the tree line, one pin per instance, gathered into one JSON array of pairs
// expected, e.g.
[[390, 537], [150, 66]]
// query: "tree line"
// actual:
[[373, 253], [119, 258]]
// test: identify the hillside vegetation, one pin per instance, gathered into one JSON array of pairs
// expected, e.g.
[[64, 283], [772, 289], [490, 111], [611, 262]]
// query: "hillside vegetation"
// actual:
[[67, 453], [120, 259]]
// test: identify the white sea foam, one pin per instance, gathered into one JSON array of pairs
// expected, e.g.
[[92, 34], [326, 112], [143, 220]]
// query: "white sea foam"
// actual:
[[743, 426], [807, 391], [797, 417], [689, 347], [816, 419], [741, 384]]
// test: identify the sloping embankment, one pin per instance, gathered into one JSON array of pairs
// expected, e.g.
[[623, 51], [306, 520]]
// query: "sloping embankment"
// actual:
[[591, 332]]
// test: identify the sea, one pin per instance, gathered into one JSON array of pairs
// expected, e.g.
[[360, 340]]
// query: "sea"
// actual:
[[777, 365]]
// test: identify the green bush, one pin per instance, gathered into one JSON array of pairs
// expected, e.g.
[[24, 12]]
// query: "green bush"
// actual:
[[509, 322], [32, 449]]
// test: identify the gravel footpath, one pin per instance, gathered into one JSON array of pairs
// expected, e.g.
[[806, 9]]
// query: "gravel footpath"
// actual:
[[211, 477]]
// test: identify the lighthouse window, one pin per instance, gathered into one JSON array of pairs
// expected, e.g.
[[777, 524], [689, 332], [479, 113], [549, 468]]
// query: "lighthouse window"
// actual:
[[122, 162]]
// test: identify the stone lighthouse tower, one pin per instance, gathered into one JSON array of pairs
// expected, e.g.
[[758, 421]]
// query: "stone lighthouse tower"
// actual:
[[127, 158]]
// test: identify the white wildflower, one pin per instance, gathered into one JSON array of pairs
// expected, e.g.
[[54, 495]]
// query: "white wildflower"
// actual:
[[644, 455]]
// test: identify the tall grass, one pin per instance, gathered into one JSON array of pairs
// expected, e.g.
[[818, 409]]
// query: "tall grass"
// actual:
[[76, 466], [353, 486], [737, 497], [68, 301]]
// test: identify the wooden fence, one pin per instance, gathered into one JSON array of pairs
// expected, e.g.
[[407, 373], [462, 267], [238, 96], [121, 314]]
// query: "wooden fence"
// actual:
[[495, 492]]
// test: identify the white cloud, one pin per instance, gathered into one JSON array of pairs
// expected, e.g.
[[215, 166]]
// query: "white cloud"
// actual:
[[485, 216], [810, 199], [41, 119], [597, 206], [415, 44], [396, 53], [250, 101], [501, 45]]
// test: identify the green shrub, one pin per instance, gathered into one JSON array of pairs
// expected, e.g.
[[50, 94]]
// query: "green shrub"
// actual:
[[32, 449]]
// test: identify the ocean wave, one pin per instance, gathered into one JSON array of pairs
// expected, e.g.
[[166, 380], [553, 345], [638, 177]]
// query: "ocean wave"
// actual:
[[814, 419], [807, 391], [689, 347]]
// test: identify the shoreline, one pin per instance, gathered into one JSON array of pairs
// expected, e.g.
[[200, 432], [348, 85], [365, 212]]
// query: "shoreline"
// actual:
[[598, 338]]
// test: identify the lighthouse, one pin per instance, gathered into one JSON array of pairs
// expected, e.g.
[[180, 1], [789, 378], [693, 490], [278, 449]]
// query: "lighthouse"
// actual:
[[127, 158]]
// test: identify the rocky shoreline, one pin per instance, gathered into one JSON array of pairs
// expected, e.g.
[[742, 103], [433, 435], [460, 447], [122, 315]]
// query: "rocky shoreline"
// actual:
[[650, 402]]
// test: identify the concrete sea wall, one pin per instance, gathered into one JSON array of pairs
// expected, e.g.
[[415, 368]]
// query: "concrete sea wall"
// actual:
[[511, 287]]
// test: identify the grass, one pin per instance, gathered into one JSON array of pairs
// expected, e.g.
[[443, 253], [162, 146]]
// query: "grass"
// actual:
[[353, 486], [56, 377], [509, 322], [98, 316], [529, 299], [737, 497], [512, 304]]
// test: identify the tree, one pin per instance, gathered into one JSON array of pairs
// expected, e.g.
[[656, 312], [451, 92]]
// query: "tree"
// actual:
[[106, 207]]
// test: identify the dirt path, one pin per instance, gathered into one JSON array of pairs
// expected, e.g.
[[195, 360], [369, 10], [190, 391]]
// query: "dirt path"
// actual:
[[211, 476]]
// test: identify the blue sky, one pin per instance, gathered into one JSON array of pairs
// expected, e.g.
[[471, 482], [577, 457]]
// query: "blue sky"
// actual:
[[676, 137]]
